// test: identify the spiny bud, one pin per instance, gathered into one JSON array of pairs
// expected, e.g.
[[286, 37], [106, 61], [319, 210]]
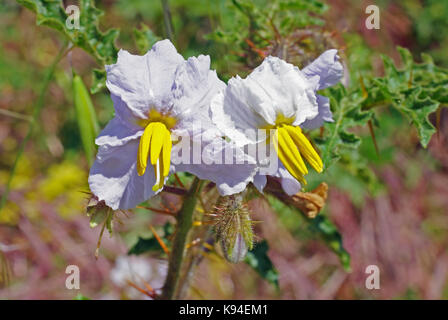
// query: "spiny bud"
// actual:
[[233, 227], [99, 213]]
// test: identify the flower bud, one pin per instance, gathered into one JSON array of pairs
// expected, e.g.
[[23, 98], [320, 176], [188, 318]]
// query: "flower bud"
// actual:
[[233, 227], [98, 211]]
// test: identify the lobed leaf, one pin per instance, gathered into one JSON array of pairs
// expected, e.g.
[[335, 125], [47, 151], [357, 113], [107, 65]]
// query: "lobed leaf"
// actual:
[[416, 90], [101, 45]]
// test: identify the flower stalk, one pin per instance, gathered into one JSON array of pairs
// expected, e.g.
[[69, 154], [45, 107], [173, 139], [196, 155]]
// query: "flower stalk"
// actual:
[[183, 227]]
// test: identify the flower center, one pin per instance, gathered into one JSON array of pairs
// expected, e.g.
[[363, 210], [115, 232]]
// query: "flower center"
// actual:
[[156, 116], [155, 143], [291, 144]]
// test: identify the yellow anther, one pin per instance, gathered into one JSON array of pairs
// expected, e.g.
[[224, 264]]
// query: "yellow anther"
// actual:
[[289, 155], [156, 144], [143, 150], [157, 139], [305, 148], [291, 144], [166, 154]]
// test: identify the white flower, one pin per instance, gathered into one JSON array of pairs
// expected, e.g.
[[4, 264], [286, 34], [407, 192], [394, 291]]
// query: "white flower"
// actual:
[[279, 96], [157, 97]]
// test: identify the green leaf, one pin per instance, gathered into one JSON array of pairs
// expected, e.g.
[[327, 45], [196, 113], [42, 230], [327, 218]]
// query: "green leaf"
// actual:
[[259, 260], [347, 114], [144, 38], [330, 234], [246, 25], [416, 90], [417, 107], [100, 45], [146, 245], [86, 117], [99, 81]]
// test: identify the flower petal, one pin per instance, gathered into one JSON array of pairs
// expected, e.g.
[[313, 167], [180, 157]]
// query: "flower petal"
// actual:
[[283, 89], [275, 88], [143, 81], [260, 181], [326, 69], [117, 133], [194, 87], [231, 119], [230, 177], [289, 184], [114, 179], [325, 114]]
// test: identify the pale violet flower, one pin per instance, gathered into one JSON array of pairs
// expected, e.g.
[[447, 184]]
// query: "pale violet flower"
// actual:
[[277, 95], [157, 98]]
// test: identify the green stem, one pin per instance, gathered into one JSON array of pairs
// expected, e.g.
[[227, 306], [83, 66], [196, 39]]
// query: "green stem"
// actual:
[[167, 19], [37, 108], [184, 224]]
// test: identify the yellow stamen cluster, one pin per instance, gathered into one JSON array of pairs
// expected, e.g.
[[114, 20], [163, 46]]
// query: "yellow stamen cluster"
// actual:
[[156, 116], [291, 144], [156, 144]]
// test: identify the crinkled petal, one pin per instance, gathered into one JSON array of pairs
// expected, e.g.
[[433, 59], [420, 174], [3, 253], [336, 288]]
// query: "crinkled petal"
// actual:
[[280, 88], [193, 89], [117, 133], [230, 176], [275, 88], [231, 119], [289, 184], [324, 115], [114, 179], [144, 81], [326, 69]]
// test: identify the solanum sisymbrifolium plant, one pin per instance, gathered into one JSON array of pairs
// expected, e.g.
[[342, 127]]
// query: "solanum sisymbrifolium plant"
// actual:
[[278, 96], [159, 97], [267, 108]]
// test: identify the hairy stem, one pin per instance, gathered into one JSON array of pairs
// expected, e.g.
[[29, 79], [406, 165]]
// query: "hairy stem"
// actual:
[[37, 108], [184, 224]]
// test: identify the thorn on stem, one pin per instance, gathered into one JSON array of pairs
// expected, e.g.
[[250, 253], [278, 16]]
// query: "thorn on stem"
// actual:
[[161, 211], [159, 240], [149, 291]]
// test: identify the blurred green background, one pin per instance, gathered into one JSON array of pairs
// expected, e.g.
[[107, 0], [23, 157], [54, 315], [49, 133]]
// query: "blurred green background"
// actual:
[[402, 227]]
